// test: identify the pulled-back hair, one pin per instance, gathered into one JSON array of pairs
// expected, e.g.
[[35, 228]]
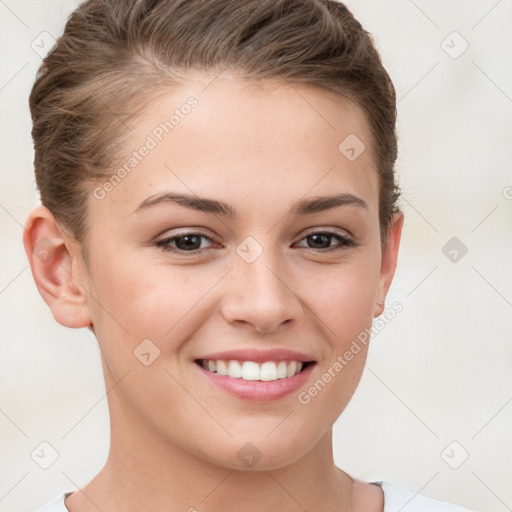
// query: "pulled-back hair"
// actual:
[[115, 55]]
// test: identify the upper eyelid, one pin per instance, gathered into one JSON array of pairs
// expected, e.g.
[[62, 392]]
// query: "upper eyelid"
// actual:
[[310, 231], [332, 231]]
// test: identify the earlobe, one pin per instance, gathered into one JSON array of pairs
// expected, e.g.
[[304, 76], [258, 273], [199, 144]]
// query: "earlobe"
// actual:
[[55, 266], [389, 260]]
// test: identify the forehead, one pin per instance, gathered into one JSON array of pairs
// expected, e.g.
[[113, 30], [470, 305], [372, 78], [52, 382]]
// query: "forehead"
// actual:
[[256, 141]]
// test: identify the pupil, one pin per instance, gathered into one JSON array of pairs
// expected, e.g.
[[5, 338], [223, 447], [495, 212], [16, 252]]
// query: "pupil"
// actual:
[[184, 242], [319, 239]]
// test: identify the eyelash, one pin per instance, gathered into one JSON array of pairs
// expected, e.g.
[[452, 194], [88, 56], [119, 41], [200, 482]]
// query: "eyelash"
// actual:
[[343, 239]]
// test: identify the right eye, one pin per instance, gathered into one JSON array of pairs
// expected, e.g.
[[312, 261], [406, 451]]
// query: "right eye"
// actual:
[[186, 243]]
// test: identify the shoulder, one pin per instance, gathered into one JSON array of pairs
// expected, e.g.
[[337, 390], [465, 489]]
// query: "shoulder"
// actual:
[[397, 499], [56, 505]]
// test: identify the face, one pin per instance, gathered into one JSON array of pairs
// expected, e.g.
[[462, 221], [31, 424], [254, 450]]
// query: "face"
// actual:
[[241, 233]]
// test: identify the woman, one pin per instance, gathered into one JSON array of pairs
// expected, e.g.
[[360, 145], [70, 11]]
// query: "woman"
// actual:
[[220, 210]]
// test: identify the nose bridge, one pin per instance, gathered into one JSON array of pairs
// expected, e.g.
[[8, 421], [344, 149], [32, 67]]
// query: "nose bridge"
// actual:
[[258, 291]]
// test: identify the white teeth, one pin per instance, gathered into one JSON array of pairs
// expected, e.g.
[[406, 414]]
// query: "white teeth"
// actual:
[[291, 369], [222, 369], [282, 370], [268, 371], [250, 370], [234, 370]]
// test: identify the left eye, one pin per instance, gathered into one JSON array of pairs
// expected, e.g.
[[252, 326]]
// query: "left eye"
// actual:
[[319, 239]]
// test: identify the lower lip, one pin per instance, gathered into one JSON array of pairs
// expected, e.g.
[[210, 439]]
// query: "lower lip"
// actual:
[[257, 390]]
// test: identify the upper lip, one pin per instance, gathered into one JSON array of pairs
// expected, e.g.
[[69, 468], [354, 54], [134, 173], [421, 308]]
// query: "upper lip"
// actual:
[[259, 355]]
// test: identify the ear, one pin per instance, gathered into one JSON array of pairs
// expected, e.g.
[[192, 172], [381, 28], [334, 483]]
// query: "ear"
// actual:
[[389, 260], [57, 267]]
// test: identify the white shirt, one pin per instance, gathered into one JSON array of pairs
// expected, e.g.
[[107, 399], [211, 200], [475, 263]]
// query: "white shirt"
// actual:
[[396, 499]]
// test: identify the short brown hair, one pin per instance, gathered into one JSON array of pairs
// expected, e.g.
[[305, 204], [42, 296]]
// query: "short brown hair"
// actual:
[[114, 53]]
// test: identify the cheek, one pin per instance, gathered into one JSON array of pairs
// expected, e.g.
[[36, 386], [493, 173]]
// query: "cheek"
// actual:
[[346, 311], [134, 301], [344, 298], [346, 308]]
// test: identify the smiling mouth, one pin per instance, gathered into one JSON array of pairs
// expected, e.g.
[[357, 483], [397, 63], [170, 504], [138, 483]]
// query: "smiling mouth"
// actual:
[[251, 370]]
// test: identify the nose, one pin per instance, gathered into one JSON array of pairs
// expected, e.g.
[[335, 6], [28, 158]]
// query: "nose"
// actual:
[[261, 295]]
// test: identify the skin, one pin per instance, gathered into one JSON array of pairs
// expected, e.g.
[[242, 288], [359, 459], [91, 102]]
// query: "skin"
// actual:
[[174, 437]]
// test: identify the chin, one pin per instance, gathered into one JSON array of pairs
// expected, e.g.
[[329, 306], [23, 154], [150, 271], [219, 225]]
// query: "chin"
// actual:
[[246, 453]]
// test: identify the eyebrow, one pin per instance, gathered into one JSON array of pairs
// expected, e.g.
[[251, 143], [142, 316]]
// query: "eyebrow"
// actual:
[[201, 204]]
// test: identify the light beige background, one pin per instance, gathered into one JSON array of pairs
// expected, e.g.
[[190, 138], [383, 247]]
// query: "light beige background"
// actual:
[[439, 372]]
